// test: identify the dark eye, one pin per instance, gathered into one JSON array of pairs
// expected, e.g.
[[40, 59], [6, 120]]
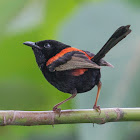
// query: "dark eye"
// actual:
[[47, 45]]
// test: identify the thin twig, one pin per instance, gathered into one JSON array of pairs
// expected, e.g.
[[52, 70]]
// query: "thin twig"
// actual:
[[29, 118]]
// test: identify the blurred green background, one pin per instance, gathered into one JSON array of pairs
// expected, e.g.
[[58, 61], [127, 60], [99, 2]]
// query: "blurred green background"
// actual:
[[84, 24]]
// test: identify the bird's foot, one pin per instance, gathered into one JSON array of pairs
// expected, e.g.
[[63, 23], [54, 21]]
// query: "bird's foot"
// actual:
[[97, 108], [57, 110]]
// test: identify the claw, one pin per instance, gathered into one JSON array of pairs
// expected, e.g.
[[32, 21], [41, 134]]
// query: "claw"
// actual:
[[97, 108], [57, 110]]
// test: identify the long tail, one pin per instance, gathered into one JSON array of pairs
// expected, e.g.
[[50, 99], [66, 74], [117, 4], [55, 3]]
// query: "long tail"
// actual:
[[118, 35]]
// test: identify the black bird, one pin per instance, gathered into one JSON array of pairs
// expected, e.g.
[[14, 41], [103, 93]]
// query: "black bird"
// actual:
[[71, 70]]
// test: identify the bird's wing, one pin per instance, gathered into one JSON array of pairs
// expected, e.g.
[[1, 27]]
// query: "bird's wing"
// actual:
[[73, 60], [101, 62]]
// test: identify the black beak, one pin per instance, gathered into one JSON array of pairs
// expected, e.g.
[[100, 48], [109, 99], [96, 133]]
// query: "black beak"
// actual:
[[31, 44]]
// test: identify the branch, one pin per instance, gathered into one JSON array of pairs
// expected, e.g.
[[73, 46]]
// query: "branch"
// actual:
[[28, 118]]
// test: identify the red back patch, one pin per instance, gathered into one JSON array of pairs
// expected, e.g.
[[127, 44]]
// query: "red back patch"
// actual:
[[64, 51], [78, 72]]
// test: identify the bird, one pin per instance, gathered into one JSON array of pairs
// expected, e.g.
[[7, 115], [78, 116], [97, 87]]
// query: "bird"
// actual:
[[72, 70]]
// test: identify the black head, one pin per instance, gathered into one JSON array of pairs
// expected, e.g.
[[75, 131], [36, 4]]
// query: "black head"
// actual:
[[48, 47], [45, 49]]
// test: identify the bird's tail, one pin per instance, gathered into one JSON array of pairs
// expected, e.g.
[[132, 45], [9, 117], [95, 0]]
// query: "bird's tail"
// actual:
[[118, 35]]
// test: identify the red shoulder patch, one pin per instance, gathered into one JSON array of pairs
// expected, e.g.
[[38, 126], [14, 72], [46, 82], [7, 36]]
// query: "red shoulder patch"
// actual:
[[64, 51]]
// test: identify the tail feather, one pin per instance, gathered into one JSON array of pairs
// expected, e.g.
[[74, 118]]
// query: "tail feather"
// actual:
[[118, 35]]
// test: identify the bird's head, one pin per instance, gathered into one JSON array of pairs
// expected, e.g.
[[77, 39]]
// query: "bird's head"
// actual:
[[45, 49]]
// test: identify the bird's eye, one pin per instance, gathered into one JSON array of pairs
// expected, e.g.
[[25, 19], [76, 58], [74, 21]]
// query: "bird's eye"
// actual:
[[47, 45]]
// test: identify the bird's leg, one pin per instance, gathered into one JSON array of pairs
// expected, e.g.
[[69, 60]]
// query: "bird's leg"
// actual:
[[59, 109], [97, 96]]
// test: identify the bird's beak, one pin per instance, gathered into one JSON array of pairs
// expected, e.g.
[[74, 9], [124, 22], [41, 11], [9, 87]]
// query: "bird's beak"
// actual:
[[31, 44]]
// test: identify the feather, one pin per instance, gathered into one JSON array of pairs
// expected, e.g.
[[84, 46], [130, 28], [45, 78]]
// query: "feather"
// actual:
[[77, 61]]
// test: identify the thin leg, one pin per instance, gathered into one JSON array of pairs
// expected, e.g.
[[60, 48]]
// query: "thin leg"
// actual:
[[98, 93], [58, 109]]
